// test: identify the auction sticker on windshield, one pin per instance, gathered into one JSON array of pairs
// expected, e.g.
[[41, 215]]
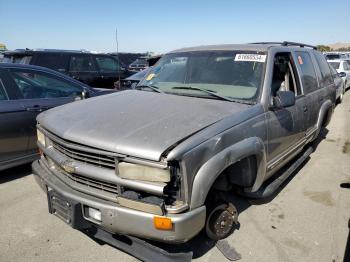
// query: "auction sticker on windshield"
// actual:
[[250, 58], [149, 77]]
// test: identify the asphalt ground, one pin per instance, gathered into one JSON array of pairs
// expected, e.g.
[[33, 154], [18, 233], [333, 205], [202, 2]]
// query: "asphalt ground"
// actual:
[[306, 221]]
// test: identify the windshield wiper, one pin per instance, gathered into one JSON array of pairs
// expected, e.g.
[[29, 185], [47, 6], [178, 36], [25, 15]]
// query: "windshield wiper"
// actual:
[[152, 87], [212, 93]]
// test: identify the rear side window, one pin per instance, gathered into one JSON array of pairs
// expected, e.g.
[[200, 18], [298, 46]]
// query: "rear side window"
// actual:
[[308, 75], [324, 68], [81, 63], [107, 64], [56, 62]]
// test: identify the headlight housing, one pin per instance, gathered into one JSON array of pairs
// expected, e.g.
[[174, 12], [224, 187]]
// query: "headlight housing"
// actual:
[[145, 173], [41, 137]]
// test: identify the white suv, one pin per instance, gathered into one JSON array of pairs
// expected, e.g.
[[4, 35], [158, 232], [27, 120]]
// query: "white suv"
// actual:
[[342, 66]]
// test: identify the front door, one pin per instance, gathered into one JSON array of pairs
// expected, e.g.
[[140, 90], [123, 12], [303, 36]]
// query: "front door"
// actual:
[[110, 71], [13, 138], [286, 126], [37, 92]]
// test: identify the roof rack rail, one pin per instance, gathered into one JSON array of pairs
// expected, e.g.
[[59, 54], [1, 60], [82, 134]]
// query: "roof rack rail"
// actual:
[[287, 43], [61, 50]]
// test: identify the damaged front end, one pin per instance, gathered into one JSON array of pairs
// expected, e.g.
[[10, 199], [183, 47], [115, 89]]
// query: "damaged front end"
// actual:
[[147, 186]]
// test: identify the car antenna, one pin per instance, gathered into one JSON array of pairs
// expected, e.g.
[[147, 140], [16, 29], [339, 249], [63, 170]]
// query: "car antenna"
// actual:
[[119, 64]]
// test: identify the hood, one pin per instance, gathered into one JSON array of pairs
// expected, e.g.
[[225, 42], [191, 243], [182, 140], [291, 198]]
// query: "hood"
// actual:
[[135, 123]]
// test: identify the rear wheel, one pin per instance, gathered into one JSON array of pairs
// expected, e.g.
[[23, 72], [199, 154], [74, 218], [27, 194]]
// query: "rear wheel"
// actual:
[[342, 94], [221, 221], [340, 99]]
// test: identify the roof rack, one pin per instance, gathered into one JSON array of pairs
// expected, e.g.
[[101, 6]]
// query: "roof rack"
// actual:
[[287, 43], [51, 50]]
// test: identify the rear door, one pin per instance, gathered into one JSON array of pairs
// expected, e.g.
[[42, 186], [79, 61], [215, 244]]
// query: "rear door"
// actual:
[[310, 89], [13, 137], [38, 91], [82, 67], [109, 70], [327, 84]]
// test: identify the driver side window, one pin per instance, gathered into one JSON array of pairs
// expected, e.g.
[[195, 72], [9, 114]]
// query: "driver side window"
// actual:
[[33, 84], [283, 78]]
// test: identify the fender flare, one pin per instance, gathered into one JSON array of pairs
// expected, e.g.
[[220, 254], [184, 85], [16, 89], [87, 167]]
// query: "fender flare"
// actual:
[[324, 109], [210, 170]]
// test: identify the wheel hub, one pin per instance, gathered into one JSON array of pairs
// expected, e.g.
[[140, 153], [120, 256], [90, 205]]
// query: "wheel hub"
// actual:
[[224, 223], [221, 221]]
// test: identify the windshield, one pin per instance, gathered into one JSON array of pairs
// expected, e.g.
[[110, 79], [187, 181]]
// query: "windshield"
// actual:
[[335, 65], [231, 74]]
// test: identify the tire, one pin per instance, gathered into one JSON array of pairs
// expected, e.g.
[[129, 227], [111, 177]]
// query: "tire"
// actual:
[[221, 221], [340, 99]]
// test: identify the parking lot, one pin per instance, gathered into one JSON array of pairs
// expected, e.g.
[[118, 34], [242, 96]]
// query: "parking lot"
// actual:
[[306, 221]]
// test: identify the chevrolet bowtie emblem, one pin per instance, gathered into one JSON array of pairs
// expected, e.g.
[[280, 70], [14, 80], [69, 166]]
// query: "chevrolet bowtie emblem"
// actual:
[[68, 166]]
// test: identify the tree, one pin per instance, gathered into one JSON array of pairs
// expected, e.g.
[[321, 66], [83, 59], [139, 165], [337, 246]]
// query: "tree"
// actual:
[[323, 48], [343, 49]]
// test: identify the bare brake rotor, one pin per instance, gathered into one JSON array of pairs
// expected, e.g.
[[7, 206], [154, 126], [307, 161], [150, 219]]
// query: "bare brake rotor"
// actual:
[[221, 221]]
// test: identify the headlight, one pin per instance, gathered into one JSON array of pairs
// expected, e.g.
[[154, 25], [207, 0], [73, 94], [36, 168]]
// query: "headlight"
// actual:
[[146, 173], [41, 137]]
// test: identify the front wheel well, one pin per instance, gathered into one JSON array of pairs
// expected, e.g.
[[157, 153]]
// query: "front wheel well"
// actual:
[[242, 174]]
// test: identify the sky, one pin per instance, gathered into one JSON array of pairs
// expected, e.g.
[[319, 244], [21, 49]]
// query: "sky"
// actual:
[[163, 25]]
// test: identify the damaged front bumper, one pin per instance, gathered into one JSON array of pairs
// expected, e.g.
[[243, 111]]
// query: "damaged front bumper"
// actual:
[[114, 217]]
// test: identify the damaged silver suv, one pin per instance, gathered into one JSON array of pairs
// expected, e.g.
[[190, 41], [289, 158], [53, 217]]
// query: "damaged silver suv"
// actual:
[[157, 162]]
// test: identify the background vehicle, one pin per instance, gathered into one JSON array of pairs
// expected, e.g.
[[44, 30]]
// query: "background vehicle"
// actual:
[[25, 91], [139, 64], [342, 66], [131, 81], [337, 55], [127, 58], [339, 83], [2, 50], [97, 70], [207, 122]]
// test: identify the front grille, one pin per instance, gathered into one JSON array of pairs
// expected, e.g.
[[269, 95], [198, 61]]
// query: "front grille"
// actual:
[[89, 185], [93, 183], [86, 157]]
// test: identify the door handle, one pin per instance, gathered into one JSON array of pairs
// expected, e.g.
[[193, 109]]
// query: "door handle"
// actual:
[[37, 108], [305, 109]]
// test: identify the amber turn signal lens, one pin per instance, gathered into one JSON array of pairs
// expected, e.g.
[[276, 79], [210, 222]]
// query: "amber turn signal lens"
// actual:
[[162, 223]]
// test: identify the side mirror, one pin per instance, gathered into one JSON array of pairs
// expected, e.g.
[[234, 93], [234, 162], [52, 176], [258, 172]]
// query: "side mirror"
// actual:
[[85, 94], [284, 99], [342, 74]]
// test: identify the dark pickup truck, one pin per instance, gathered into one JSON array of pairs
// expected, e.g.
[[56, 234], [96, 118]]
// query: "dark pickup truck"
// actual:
[[205, 122]]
